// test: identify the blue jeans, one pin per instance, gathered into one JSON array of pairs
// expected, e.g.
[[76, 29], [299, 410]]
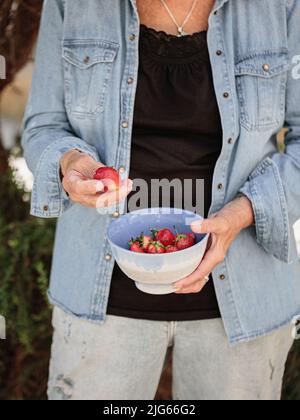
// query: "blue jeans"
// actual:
[[124, 358]]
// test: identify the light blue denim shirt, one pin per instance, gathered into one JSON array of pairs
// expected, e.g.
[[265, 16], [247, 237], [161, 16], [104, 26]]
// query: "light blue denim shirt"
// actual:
[[83, 93]]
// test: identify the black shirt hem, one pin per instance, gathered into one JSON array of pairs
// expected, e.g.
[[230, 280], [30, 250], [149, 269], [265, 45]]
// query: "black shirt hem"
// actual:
[[165, 316]]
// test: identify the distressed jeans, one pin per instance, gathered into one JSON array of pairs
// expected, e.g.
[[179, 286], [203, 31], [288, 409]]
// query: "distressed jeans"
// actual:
[[123, 360]]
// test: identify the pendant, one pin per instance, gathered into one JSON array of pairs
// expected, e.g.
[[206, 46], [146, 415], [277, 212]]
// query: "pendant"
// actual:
[[181, 32]]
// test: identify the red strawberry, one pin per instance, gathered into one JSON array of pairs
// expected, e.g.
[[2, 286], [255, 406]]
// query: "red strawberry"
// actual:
[[165, 236], [192, 236], [109, 177], [184, 241], [171, 248], [155, 247], [145, 241], [135, 246]]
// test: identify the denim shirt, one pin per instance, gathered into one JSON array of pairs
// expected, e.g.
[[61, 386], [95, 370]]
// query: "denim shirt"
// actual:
[[83, 97]]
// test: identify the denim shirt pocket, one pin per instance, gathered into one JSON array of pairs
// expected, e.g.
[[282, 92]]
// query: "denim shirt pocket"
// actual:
[[88, 66], [260, 82]]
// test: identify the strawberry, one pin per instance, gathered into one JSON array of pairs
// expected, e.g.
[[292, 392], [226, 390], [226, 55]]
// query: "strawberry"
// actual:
[[156, 247], [165, 236], [109, 177], [184, 241], [144, 241], [192, 236], [171, 248], [135, 246]]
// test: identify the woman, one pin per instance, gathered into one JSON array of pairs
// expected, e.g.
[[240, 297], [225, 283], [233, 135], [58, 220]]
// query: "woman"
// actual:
[[170, 89]]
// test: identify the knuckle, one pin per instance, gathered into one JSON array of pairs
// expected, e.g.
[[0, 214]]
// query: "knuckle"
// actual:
[[225, 226], [76, 188]]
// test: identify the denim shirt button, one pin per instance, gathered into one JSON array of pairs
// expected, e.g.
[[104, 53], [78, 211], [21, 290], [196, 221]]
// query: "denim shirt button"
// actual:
[[108, 257], [230, 140], [46, 208], [130, 80], [122, 170], [222, 277], [86, 60], [266, 67], [226, 95], [116, 214], [219, 52], [132, 37], [220, 186], [125, 124]]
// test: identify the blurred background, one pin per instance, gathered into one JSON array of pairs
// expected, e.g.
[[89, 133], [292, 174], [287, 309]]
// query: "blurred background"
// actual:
[[26, 243]]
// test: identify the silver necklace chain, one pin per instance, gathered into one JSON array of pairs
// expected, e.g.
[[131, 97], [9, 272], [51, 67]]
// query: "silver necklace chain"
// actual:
[[180, 28]]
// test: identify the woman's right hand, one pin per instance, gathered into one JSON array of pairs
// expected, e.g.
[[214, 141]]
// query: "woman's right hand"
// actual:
[[78, 170]]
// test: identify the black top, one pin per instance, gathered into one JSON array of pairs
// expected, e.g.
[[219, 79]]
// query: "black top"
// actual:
[[177, 133]]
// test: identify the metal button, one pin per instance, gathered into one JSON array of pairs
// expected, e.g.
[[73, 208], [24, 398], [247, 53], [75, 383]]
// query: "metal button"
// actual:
[[132, 37], [125, 124], [230, 140], [116, 214], [220, 186], [226, 94], [222, 277], [86, 59], [108, 257], [266, 68], [219, 52], [130, 80], [122, 170], [46, 208]]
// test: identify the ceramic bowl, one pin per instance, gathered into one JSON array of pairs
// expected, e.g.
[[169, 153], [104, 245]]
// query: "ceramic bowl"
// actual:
[[155, 273]]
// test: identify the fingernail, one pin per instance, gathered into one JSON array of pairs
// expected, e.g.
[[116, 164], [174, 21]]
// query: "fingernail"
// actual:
[[197, 226], [99, 187]]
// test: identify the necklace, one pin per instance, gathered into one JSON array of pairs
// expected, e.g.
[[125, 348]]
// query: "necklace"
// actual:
[[180, 28]]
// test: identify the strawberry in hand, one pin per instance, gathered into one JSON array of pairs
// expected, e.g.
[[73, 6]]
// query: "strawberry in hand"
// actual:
[[110, 178]]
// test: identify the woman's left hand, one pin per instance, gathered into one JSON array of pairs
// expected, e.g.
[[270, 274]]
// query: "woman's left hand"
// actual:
[[224, 227]]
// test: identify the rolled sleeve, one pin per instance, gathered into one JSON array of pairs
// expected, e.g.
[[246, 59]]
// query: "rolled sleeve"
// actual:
[[48, 196], [265, 191]]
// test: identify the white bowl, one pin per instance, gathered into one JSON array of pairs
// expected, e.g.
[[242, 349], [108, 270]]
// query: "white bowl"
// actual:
[[155, 273]]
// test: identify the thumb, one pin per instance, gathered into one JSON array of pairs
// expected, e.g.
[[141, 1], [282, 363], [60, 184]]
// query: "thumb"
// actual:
[[213, 225]]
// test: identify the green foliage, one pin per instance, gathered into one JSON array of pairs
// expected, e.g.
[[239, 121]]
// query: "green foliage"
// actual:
[[25, 256]]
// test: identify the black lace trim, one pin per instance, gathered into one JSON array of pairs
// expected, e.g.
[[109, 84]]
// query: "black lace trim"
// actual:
[[170, 46]]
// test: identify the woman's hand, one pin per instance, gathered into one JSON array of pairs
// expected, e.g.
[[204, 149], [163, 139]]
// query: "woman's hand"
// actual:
[[224, 227], [78, 170]]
